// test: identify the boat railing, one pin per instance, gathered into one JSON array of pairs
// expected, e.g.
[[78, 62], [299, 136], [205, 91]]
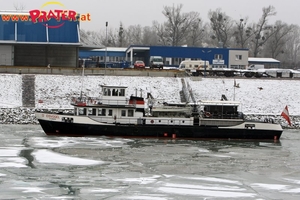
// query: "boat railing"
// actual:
[[218, 115], [91, 101]]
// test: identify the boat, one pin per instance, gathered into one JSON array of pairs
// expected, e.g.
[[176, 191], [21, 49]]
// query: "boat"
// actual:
[[117, 115]]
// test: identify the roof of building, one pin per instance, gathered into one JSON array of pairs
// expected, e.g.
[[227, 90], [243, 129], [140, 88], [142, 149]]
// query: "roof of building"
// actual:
[[115, 49], [262, 60]]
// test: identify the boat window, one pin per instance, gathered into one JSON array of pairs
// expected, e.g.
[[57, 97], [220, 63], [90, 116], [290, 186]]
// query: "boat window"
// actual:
[[115, 92], [122, 93], [99, 111], [103, 112], [75, 111], [105, 91], [123, 113], [82, 111], [91, 111], [110, 112], [130, 113]]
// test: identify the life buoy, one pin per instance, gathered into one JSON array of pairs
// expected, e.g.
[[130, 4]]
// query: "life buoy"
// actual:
[[207, 114], [115, 117], [152, 121]]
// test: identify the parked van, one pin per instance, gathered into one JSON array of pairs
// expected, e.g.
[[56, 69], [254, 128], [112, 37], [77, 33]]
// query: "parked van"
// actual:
[[156, 62], [192, 65]]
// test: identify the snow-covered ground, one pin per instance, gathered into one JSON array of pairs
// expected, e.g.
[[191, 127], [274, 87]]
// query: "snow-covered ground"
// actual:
[[257, 96]]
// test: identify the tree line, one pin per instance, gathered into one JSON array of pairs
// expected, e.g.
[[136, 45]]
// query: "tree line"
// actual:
[[263, 39]]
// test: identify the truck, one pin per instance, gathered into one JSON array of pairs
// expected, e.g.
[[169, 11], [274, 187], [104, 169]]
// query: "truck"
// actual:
[[195, 67], [156, 62], [255, 70]]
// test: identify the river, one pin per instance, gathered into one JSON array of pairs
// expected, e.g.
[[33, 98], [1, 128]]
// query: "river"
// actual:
[[36, 166]]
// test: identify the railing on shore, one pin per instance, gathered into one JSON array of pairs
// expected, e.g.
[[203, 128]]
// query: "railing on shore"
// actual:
[[90, 71]]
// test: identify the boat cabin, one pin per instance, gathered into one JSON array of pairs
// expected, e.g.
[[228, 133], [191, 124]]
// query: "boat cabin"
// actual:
[[220, 109], [114, 95], [112, 107]]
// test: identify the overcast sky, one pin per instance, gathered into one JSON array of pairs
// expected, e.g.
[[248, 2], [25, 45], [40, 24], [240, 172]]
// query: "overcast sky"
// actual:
[[144, 12]]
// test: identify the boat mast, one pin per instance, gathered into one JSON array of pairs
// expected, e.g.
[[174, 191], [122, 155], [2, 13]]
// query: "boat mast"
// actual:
[[82, 77]]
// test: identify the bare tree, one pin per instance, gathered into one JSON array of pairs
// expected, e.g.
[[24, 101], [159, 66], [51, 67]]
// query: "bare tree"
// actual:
[[162, 34], [174, 30], [275, 45], [150, 36], [242, 33], [90, 38], [196, 34], [262, 31], [291, 55], [19, 6], [134, 34], [121, 36], [221, 25]]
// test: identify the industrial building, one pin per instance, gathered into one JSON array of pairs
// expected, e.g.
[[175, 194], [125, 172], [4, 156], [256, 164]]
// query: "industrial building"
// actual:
[[24, 43], [217, 57], [57, 43]]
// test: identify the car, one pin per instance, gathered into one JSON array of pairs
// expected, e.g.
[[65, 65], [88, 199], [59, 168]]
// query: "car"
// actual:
[[139, 64]]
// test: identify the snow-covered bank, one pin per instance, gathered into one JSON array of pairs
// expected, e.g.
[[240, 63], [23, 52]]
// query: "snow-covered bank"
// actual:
[[261, 97], [257, 96]]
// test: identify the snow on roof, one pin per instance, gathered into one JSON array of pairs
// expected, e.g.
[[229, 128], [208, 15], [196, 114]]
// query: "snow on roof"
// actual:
[[263, 60], [118, 49]]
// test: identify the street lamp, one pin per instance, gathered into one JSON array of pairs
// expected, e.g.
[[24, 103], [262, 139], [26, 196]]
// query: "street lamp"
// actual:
[[205, 57], [106, 24]]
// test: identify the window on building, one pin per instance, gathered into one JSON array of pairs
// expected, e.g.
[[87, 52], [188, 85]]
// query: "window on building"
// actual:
[[123, 113], [100, 112], [238, 57], [218, 56], [110, 112]]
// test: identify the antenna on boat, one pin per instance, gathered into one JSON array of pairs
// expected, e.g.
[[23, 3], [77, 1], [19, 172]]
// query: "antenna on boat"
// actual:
[[141, 94], [82, 82]]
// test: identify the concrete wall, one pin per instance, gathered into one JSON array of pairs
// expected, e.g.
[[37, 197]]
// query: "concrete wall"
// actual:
[[6, 55], [41, 55], [90, 71]]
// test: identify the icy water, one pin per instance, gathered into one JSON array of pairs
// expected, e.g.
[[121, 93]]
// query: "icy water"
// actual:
[[36, 166]]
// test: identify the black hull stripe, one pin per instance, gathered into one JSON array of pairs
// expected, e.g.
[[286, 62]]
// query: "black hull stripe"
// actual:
[[158, 131]]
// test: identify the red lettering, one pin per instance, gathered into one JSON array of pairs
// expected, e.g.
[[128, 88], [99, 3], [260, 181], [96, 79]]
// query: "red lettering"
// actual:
[[43, 17], [89, 17], [24, 18], [50, 15], [64, 15], [58, 12], [15, 18], [72, 15], [5, 18], [34, 15]]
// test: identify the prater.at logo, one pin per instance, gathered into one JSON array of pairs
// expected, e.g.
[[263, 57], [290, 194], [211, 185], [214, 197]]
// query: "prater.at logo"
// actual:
[[60, 15]]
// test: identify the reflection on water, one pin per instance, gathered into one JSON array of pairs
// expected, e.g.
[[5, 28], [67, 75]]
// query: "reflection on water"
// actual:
[[33, 165]]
